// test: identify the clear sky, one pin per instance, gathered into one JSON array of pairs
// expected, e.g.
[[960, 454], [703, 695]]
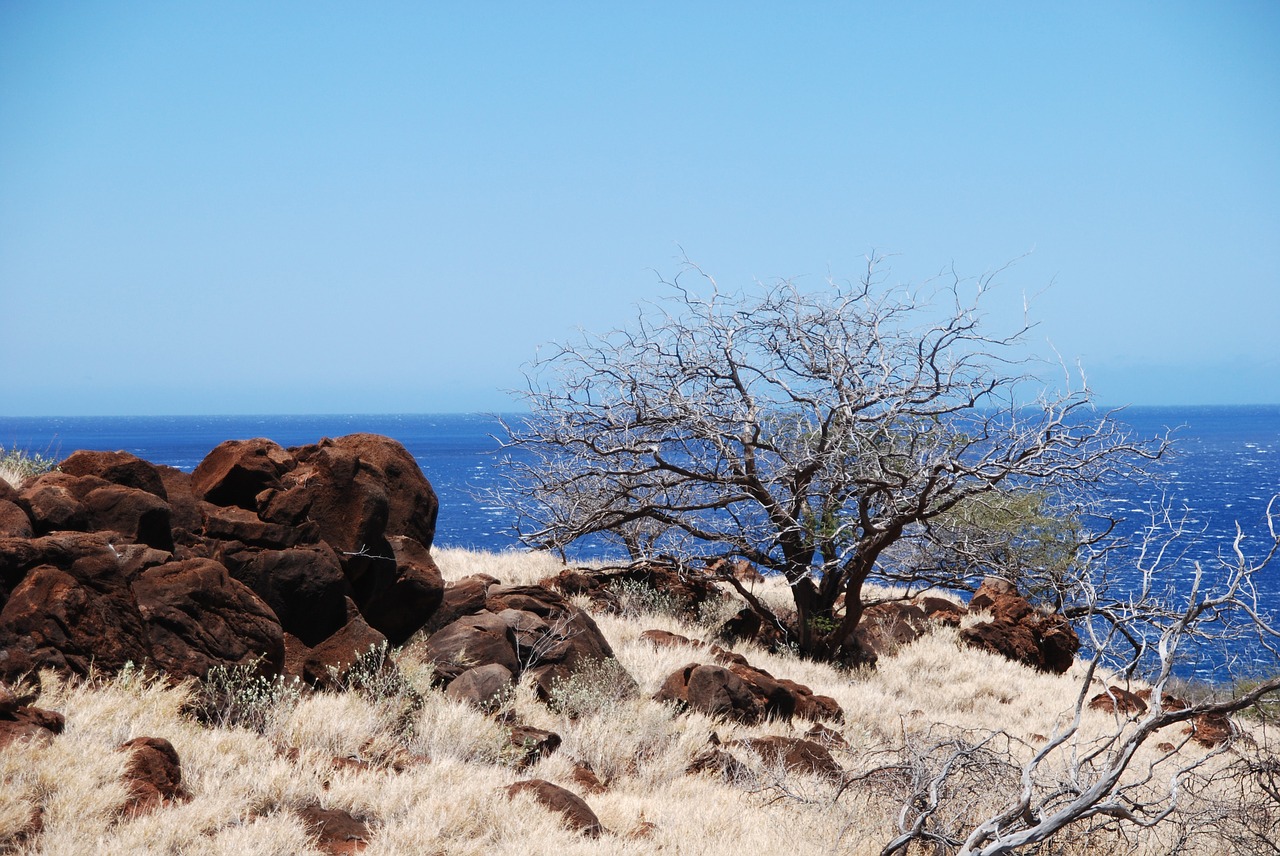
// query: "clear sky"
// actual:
[[382, 207]]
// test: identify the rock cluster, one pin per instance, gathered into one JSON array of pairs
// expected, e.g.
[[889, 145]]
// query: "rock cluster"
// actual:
[[1019, 631], [262, 556], [1207, 729], [737, 690], [503, 632]]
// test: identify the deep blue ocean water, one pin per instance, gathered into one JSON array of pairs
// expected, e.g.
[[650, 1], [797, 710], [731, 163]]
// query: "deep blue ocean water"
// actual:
[[1224, 469]]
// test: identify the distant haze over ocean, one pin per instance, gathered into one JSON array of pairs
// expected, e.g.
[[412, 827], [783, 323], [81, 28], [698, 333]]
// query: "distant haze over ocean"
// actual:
[[1224, 469]]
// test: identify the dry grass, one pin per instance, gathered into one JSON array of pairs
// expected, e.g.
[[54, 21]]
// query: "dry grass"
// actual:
[[430, 780]]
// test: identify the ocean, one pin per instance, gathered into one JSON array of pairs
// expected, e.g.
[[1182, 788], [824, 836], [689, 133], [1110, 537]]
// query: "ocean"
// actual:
[[1224, 468]]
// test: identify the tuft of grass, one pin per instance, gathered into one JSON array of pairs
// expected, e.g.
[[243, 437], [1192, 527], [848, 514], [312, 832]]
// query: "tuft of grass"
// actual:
[[18, 465]]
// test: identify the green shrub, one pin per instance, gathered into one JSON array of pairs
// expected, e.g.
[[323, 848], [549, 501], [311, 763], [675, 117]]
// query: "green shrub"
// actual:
[[16, 465]]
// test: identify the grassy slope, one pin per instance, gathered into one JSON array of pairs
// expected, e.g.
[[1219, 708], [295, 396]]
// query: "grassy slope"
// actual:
[[448, 797]]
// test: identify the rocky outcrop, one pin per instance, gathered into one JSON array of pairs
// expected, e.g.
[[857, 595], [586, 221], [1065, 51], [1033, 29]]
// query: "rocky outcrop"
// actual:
[[112, 560], [685, 587], [526, 630], [1019, 631], [198, 616], [737, 690]]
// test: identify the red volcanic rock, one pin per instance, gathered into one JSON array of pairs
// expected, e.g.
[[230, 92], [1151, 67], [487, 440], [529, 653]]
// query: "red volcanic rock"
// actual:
[[327, 664], [714, 691], [1020, 632], [236, 471], [73, 618], [184, 511], [345, 501], [140, 516], [303, 585], [14, 522], [52, 504], [1117, 700], [553, 638], [688, 588], [153, 776], [474, 640], [461, 597], [120, 468], [412, 503], [337, 832], [811, 706], [231, 523], [744, 694], [26, 722], [794, 754], [198, 616], [405, 592], [482, 686], [571, 807]]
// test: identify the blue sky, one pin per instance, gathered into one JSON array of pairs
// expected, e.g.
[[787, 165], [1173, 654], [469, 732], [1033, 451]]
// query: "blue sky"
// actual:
[[315, 207]]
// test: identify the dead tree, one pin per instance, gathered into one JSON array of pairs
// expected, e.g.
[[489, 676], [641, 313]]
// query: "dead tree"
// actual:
[[807, 431]]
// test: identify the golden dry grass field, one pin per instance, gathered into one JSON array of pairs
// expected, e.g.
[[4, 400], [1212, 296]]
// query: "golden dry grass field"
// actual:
[[428, 774]]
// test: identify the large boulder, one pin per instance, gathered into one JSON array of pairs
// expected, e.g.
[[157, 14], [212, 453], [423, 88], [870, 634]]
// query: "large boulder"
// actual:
[[483, 686], [714, 691], [686, 588], [412, 503], [303, 585], [198, 616], [403, 592], [119, 468], [553, 638], [236, 471], [577, 815], [745, 694], [14, 522], [140, 516], [461, 597], [474, 640], [52, 501], [72, 618]]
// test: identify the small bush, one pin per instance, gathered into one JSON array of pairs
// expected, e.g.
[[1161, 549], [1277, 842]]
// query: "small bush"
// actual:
[[637, 599], [241, 697], [376, 677], [594, 686]]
